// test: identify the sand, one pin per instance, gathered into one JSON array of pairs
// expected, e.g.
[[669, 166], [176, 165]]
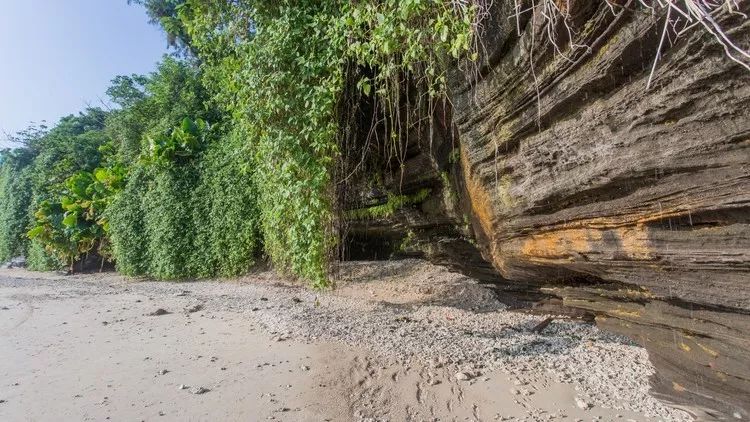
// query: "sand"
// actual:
[[387, 344]]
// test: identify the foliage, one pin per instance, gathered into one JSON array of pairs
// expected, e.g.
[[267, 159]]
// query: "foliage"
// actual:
[[76, 144], [15, 199], [73, 145], [281, 67], [39, 259], [406, 38], [180, 144], [126, 218], [164, 13], [150, 105], [282, 75], [187, 215], [226, 214], [151, 220], [167, 222], [75, 224]]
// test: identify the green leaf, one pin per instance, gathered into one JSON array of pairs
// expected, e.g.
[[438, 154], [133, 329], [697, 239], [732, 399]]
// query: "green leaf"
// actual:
[[70, 220], [35, 232]]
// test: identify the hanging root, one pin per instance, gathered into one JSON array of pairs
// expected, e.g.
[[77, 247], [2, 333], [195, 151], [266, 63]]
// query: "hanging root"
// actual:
[[681, 16]]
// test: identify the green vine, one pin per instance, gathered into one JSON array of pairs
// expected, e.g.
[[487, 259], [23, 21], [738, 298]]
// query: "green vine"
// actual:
[[280, 69]]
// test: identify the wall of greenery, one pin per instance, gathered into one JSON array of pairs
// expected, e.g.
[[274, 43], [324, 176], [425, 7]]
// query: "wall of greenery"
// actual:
[[15, 200], [280, 68], [228, 150]]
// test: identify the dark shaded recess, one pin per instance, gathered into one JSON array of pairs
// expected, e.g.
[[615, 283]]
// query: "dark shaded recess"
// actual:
[[361, 247]]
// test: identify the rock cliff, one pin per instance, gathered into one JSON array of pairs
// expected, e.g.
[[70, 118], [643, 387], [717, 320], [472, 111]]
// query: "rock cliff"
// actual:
[[561, 170]]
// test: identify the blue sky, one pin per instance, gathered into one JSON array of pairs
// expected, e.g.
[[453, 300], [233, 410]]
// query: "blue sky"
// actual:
[[59, 55]]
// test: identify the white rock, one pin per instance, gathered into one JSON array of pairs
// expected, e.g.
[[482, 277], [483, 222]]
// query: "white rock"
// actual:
[[582, 404], [463, 376], [200, 390]]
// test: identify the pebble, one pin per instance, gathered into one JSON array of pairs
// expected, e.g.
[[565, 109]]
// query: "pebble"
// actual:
[[182, 387], [159, 312], [463, 376], [582, 404], [163, 372], [194, 308], [200, 390]]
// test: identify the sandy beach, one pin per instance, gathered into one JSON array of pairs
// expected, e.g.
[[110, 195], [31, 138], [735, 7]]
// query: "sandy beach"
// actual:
[[441, 347]]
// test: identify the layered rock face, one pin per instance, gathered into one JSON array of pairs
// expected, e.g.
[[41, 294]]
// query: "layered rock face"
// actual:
[[561, 169], [575, 171]]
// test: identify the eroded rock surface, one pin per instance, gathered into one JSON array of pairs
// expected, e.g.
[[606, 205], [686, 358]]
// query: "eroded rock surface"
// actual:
[[577, 172], [603, 177], [564, 169]]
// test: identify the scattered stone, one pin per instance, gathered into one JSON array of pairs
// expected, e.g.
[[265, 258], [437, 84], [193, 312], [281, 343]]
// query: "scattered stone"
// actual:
[[182, 387], [296, 300], [582, 404], [199, 390], [159, 312], [433, 381], [305, 368], [183, 293], [18, 262], [194, 308], [463, 376], [163, 372]]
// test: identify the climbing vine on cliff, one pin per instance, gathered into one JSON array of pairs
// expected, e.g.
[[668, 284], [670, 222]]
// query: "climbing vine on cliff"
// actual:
[[280, 69]]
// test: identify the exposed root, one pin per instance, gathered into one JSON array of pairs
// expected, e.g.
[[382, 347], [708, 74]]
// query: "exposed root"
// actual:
[[681, 17]]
